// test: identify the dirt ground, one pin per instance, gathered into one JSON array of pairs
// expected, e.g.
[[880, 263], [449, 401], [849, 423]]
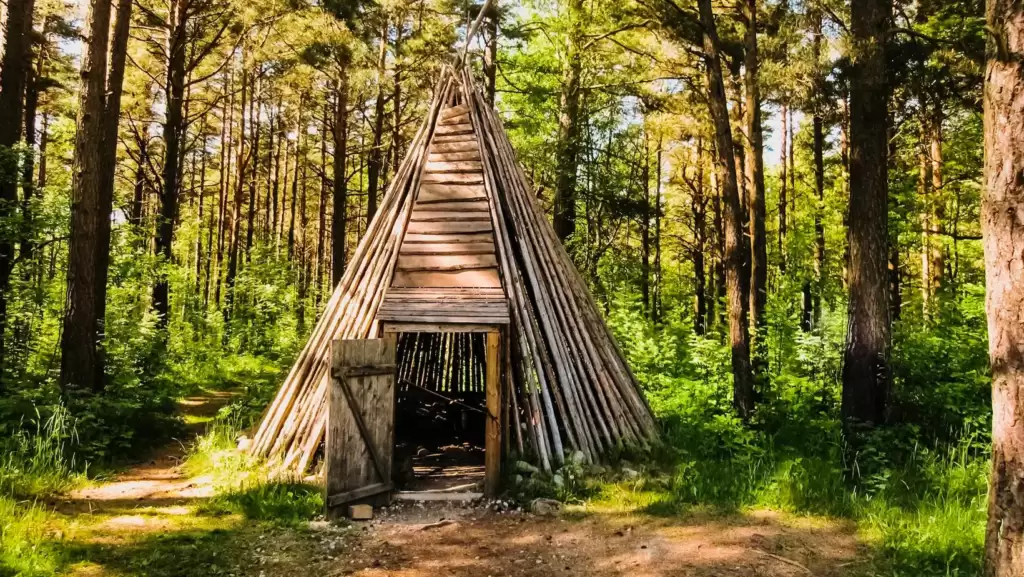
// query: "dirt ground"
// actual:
[[149, 521]]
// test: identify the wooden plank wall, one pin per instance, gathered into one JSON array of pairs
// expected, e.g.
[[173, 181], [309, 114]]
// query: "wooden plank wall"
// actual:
[[450, 241]]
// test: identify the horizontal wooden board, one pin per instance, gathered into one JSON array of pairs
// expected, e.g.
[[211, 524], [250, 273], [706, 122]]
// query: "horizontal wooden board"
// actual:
[[454, 111], [456, 166], [454, 156], [465, 278], [447, 262], [449, 227], [464, 128], [464, 146], [449, 138], [420, 238], [453, 178], [449, 216], [463, 206], [428, 197], [448, 248], [449, 293], [460, 119]]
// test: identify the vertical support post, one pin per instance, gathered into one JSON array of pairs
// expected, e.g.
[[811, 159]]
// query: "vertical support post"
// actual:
[[492, 448]]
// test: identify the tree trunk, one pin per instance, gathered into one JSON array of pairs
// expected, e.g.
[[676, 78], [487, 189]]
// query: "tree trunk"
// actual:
[[299, 151], [15, 69], [783, 189], [657, 311], [813, 287], [1002, 223], [172, 132], [339, 198], [79, 355], [757, 210], [698, 205], [254, 155], [275, 195], [717, 300], [735, 246], [568, 127], [645, 231], [937, 204], [235, 234], [866, 359], [924, 194], [112, 114], [28, 184], [375, 163], [490, 63], [321, 231], [226, 139]]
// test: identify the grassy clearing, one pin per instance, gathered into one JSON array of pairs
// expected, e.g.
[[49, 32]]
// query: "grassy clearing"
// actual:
[[921, 519]]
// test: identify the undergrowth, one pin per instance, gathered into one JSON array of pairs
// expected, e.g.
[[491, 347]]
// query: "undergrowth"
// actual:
[[916, 487]]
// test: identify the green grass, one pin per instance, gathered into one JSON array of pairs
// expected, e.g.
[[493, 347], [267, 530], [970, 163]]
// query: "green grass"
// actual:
[[922, 517], [33, 465]]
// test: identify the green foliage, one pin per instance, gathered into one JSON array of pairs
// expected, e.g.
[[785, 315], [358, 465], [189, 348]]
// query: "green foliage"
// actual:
[[917, 488]]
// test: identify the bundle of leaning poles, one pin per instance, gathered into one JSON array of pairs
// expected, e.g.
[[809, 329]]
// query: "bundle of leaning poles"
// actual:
[[571, 389]]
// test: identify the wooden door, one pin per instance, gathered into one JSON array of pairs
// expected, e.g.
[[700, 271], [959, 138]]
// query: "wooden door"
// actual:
[[360, 423]]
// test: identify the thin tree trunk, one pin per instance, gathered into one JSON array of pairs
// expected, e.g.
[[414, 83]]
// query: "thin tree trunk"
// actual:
[[735, 245], [339, 195], [490, 63], [568, 127], [645, 231], [924, 193], [375, 164], [254, 155], [321, 231], [227, 138], [757, 209], [783, 189], [1002, 220], [14, 72], [698, 205], [172, 132], [239, 199], [866, 358]]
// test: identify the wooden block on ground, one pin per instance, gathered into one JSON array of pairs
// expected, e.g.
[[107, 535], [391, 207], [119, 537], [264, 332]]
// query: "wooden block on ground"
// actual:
[[360, 512]]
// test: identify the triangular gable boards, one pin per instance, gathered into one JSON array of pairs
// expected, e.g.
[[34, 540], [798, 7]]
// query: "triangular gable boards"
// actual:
[[459, 241]]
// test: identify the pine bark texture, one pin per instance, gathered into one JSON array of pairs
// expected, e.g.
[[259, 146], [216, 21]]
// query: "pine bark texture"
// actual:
[[79, 355], [339, 215], [756, 200], [14, 72], [866, 357], [568, 128], [736, 247], [172, 131], [1002, 220]]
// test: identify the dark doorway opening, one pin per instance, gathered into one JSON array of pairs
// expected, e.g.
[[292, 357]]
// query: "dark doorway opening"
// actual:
[[441, 412]]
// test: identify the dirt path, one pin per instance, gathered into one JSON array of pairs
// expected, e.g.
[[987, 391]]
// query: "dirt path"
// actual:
[[413, 541], [150, 521], [159, 478]]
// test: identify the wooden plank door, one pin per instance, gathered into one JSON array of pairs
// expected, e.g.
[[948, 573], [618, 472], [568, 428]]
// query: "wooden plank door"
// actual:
[[360, 423]]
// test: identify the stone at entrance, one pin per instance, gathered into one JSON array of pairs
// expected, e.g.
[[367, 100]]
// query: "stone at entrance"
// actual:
[[360, 512]]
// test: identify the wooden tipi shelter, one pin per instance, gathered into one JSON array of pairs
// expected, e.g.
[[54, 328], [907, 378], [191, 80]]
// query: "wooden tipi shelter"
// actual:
[[459, 244]]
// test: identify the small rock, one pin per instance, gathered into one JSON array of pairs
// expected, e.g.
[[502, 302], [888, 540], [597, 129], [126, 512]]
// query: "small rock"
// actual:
[[526, 468], [630, 474], [545, 507], [244, 443], [577, 458]]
